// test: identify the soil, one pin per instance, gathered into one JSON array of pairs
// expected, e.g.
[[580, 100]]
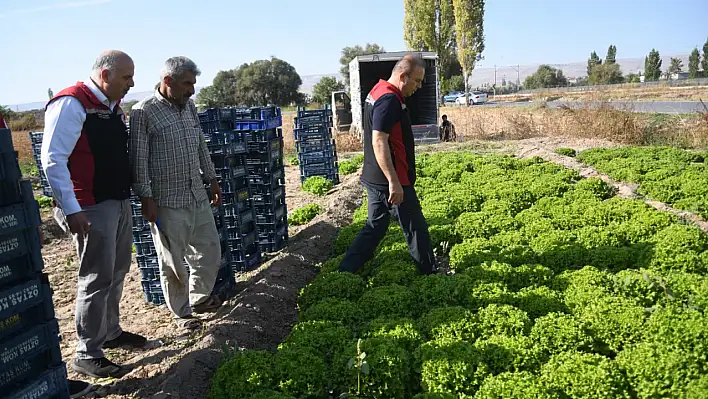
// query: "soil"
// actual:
[[176, 365], [260, 316]]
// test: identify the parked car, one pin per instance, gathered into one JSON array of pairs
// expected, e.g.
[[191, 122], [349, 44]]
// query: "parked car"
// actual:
[[476, 97], [452, 96]]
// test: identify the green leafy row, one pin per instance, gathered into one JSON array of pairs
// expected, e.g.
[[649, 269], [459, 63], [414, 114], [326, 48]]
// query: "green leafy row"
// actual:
[[559, 291], [670, 175], [350, 166]]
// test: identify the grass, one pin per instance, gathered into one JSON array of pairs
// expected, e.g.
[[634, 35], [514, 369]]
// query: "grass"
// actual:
[[592, 120], [654, 93]]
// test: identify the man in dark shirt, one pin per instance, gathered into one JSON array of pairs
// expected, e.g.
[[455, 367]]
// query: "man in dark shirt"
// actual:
[[389, 170], [447, 130]]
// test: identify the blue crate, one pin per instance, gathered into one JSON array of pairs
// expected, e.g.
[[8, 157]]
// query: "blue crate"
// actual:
[[274, 144], [52, 384], [270, 214], [227, 174], [9, 168], [235, 218], [30, 343], [262, 136], [315, 145], [19, 217], [36, 137], [19, 268], [226, 137], [267, 182], [243, 242], [332, 175], [153, 292], [147, 261], [231, 149], [245, 261], [25, 305], [312, 123], [272, 159], [19, 243], [221, 160], [149, 273], [302, 135], [265, 168], [140, 224], [273, 234], [269, 198], [322, 168], [10, 193], [144, 244], [273, 243], [317, 157]]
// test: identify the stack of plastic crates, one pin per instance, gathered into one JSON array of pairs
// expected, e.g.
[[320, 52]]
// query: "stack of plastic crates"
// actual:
[[239, 128], [30, 357], [266, 174], [36, 140], [316, 149]]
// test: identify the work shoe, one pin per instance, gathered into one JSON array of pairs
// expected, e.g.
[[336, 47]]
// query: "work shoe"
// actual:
[[78, 389], [98, 368], [212, 304], [126, 339]]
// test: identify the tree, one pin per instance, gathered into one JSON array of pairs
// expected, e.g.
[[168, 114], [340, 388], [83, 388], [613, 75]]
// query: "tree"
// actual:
[[322, 92], [455, 83], [676, 66], [693, 64], [704, 62], [128, 105], [592, 61], [632, 78], [260, 83], [50, 93], [349, 53], [611, 56], [652, 66], [7, 113], [545, 76], [606, 74], [469, 22], [429, 25]]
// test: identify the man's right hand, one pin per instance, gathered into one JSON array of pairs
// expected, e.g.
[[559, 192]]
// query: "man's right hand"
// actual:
[[78, 223], [149, 209], [395, 193]]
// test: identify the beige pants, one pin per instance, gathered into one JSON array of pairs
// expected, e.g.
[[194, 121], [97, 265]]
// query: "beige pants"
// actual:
[[186, 234]]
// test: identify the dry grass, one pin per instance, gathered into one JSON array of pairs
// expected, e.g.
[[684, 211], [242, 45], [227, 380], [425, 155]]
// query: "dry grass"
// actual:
[[345, 142], [621, 126], [654, 93]]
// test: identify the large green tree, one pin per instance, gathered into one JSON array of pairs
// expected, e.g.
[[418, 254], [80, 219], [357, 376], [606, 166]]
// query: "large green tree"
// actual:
[[322, 91], [263, 82], [429, 25], [545, 76], [606, 74], [652, 66], [611, 56], [676, 66], [704, 62], [349, 53], [592, 61], [469, 24], [694, 63]]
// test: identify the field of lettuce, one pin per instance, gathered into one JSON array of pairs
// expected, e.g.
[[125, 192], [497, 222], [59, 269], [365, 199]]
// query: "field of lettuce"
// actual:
[[676, 177], [558, 290]]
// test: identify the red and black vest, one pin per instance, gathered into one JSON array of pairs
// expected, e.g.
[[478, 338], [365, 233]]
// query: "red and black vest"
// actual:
[[99, 165]]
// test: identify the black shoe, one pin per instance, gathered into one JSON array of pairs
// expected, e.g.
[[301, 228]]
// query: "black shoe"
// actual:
[[98, 368], [126, 339], [78, 389]]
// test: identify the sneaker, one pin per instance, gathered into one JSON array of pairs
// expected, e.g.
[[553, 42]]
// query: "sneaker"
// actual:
[[98, 368], [126, 339], [78, 389]]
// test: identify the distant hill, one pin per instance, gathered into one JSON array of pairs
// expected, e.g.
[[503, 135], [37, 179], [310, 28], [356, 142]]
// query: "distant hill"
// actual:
[[480, 76]]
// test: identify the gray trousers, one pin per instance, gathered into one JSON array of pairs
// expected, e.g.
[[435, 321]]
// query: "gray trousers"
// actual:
[[189, 234], [105, 255]]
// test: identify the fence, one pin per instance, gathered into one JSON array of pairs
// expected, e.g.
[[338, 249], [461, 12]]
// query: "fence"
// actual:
[[660, 83]]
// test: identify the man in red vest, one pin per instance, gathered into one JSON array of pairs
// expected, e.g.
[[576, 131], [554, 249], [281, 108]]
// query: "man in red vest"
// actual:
[[85, 158]]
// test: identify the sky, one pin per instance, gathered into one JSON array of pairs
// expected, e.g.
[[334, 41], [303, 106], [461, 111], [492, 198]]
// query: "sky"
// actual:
[[53, 43]]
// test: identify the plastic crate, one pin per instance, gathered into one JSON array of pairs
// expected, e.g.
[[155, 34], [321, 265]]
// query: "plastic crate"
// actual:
[[269, 198], [317, 157], [322, 168], [267, 182], [225, 284], [147, 261], [6, 140], [235, 218], [36, 137], [221, 160], [144, 244], [265, 168], [29, 344], [228, 149], [332, 176], [315, 145], [269, 214], [153, 292], [19, 268], [19, 217], [52, 384], [272, 158], [243, 242], [149, 273], [19, 243], [262, 135], [9, 168], [10, 193], [242, 262], [236, 175], [271, 233], [25, 305], [311, 134], [274, 144]]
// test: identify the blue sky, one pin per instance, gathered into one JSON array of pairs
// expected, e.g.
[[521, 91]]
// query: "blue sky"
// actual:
[[52, 43]]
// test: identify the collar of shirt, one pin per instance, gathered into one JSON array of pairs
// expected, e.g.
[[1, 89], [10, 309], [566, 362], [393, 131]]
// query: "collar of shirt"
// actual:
[[167, 102], [99, 94]]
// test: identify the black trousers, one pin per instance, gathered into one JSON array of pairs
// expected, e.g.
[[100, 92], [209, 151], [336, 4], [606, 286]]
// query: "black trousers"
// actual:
[[408, 214]]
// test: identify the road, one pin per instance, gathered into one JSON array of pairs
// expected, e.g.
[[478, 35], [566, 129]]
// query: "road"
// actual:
[[662, 107]]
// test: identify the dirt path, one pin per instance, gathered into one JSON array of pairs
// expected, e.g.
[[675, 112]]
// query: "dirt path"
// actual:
[[259, 317]]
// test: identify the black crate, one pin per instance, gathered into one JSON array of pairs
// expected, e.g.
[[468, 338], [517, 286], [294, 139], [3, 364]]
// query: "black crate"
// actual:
[[28, 354], [227, 161], [245, 261], [232, 185], [25, 305], [147, 261], [315, 145], [225, 284], [144, 244], [19, 268], [10, 192], [269, 198], [19, 217], [322, 168], [19, 243], [243, 242], [153, 292], [51, 384], [270, 214], [265, 168], [275, 144], [9, 168], [140, 224], [273, 158], [273, 242], [267, 182], [331, 175], [149, 273], [266, 135]]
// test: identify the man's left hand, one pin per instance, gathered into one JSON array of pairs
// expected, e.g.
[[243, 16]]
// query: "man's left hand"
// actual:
[[215, 193]]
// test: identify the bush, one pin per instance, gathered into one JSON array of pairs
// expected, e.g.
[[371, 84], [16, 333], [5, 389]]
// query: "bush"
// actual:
[[243, 375], [568, 152], [317, 185], [350, 166], [293, 161], [304, 214]]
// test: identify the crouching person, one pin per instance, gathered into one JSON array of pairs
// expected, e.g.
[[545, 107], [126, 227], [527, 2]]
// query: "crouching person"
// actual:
[[167, 151]]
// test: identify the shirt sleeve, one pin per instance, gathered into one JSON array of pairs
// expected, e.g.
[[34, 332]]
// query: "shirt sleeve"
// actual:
[[386, 113], [63, 122], [205, 163], [139, 152]]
